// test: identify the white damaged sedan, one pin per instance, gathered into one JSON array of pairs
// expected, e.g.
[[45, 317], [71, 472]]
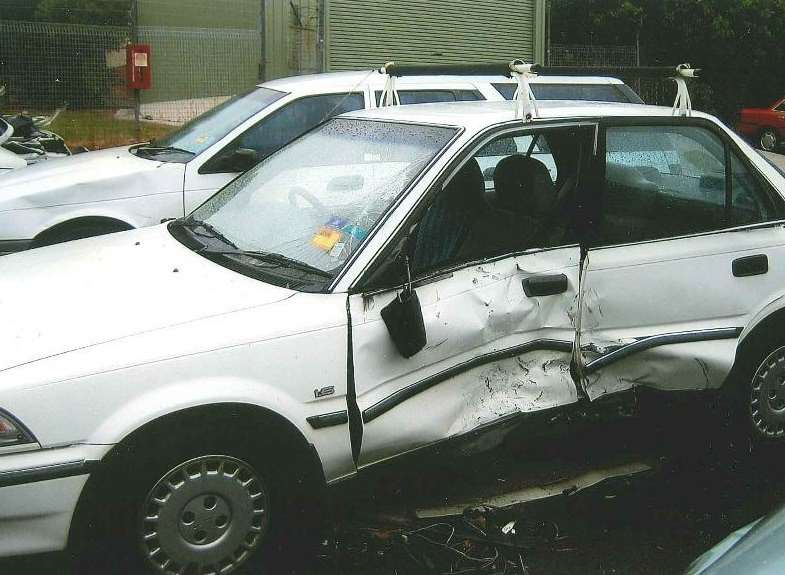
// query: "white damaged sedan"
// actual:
[[392, 280]]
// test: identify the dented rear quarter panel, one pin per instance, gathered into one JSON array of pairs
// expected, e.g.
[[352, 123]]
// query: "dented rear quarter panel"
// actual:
[[675, 286]]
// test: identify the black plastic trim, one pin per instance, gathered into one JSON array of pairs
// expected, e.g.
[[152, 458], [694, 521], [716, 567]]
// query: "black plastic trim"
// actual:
[[391, 401], [544, 285], [328, 419], [658, 340], [750, 266], [25, 431], [46, 473], [14, 246]]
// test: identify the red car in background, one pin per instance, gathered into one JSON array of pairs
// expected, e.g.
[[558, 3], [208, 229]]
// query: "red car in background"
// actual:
[[763, 126]]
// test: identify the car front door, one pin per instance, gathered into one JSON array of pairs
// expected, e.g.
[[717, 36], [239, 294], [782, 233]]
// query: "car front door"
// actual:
[[685, 251], [495, 269], [203, 179]]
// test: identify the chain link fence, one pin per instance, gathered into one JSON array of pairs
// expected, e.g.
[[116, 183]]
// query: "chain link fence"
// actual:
[[69, 57], [652, 91]]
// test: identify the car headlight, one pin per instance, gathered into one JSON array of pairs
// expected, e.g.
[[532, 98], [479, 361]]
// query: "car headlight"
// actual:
[[12, 432]]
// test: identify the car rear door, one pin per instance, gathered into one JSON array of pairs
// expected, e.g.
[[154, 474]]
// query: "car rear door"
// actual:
[[687, 247]]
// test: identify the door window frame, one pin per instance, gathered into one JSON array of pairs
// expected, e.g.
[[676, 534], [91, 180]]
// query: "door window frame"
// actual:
[[364, 283], [204, 167], [730, 146]]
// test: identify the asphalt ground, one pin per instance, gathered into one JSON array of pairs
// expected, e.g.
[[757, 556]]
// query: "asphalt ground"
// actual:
[[706, 481]]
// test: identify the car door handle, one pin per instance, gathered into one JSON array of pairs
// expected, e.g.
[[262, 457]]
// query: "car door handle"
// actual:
[[750, 266], [537, 286]]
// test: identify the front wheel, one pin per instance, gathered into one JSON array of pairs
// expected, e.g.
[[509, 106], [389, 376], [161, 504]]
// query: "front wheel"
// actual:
[[768, 140], [206, 515], [193, 508]]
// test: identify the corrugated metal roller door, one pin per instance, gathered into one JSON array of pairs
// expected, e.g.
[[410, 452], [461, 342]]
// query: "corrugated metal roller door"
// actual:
[[367, 33]]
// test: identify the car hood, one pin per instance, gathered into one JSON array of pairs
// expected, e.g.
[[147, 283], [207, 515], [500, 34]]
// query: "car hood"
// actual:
[[76, 295], [89, 177], [755, 549]]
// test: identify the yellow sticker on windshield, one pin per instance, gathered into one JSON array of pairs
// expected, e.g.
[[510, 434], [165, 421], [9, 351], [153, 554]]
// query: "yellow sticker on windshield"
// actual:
[[326, 238]]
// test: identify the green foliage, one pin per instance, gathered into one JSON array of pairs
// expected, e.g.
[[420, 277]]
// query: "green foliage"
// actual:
[[740, 43]]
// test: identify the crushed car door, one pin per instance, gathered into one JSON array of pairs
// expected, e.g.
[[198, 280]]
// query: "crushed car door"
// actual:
[[495, 270], [684, 253]]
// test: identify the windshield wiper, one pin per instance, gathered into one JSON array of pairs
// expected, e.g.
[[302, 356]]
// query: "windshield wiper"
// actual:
[[190, 224], [163, 149], [273, 258]]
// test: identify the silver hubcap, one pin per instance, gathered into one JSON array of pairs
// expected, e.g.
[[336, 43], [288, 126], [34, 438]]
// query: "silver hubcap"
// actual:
[[205, 516], [767, 397], [768, 141]]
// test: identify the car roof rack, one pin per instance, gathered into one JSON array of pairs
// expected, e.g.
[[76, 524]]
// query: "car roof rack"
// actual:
[[526, 103]]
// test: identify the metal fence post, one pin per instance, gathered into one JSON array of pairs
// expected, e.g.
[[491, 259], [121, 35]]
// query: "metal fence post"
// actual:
[[263, 40], [137, 92]]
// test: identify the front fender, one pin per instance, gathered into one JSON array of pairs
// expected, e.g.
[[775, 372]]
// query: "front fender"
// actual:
[[330, 443], [137, 212]]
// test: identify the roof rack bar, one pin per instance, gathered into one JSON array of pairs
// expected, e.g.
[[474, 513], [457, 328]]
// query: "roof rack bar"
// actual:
[[486, 69], [503, 69], [522, 72], [683, 70]]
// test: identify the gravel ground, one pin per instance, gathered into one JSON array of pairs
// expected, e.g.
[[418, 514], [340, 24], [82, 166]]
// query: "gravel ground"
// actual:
[[705, 484]]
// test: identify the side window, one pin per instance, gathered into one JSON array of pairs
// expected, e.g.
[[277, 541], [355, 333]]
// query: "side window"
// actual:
[[750, 204], [781, 107], [514, 194], [284, 125], [506, 89], [668, 181], [431, 96]]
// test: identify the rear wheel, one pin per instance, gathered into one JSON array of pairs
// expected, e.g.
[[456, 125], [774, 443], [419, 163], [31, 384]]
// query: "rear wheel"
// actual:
[[766, 398], [768, 140]]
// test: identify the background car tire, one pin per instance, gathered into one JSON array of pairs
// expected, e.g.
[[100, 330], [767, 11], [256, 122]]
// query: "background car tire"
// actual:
[[78, 231], [768, 140], [112, 532]]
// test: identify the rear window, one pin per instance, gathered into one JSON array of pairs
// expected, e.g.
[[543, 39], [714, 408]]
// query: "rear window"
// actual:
[[431, 96], [586, 92]]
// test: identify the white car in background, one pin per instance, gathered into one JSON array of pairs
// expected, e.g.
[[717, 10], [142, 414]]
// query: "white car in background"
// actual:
[[8, 160], [167, 394], [136, 186]]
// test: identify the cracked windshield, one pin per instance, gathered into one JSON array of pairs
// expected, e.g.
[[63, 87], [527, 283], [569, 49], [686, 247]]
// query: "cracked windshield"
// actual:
[[318, 199]]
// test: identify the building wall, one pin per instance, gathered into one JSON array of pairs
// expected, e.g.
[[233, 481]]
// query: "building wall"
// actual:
[[292, 37], [201, 48], [368, 33], [240, 14]]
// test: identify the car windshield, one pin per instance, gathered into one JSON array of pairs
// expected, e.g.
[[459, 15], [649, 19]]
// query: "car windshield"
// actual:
[[199, 134], [315, 201]]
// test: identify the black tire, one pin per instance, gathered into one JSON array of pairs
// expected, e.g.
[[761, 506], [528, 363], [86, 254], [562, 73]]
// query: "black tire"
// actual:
[[78, 232], [768, 140], [207, 522], [759, 393]]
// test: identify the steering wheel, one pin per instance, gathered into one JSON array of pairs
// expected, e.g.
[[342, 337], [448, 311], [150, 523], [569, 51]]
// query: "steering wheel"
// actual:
[[309, 197]]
